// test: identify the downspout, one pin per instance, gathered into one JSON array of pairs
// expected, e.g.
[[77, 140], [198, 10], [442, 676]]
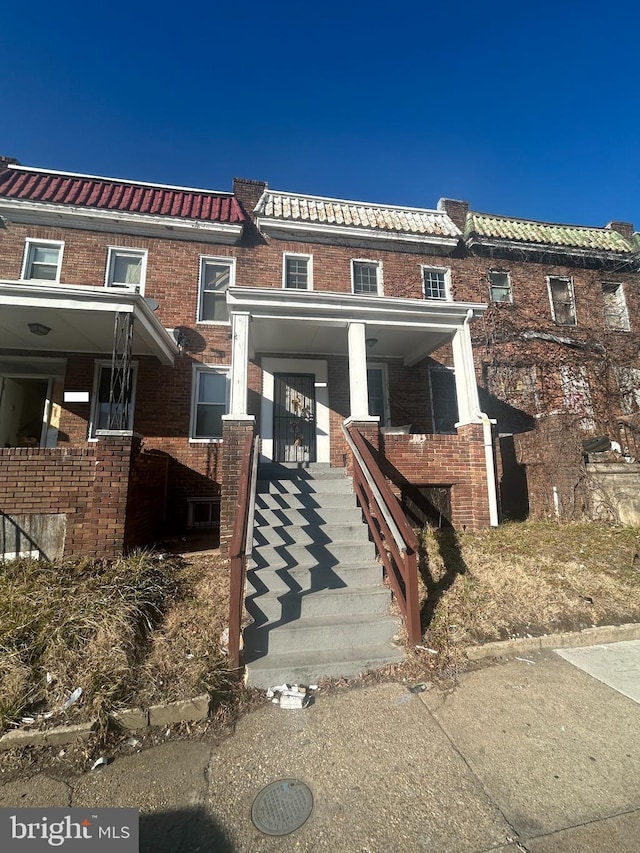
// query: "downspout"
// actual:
[[487, 440]]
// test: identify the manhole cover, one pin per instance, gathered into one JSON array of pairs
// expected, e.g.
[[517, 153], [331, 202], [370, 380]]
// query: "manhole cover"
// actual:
[[282, 807]]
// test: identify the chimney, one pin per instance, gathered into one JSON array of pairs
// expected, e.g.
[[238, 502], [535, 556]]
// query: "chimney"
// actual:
[[248, 192], [456, 210], [5, 162], [624, 228]]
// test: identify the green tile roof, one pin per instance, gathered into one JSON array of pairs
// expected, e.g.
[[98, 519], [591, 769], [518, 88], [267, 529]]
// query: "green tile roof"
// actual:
[[488, 227]]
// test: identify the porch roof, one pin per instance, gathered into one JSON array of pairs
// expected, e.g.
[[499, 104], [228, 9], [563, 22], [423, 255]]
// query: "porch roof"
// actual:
[[316, 322], [79, 319]]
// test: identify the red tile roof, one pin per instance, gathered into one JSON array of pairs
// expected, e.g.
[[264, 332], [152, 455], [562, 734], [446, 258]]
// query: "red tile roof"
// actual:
[[22, 184]]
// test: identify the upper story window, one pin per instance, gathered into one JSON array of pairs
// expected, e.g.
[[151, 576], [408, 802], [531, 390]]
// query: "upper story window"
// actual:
[[42, 260], [563, 305], [367, 277], [126, 268], [435, 282], [615, 306], [297, 272], [210, 396], [500, 286], [216, 275]]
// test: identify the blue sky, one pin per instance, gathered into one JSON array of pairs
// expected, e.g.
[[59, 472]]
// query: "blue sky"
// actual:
[[524, 109]]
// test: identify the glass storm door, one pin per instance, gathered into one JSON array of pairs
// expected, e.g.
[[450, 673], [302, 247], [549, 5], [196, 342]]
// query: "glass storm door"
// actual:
[[294, 417]]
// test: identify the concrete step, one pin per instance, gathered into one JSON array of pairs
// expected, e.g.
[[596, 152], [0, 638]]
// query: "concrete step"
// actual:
[[317, 577], [305, 487], [307, 534], [346, 601], [298, 471], [306, 501], [320, 516], [309, 668], [320, 633], [327, 553]]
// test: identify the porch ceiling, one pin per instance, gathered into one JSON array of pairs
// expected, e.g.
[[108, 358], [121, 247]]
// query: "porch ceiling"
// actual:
[[80, 319], [301, 322]]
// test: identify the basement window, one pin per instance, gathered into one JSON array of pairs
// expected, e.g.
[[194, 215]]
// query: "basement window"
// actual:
[[203, 513], [615, 307], [563, 306], [500, 286]]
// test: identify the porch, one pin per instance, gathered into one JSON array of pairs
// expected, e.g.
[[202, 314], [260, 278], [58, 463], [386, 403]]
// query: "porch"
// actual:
[[314, 354]]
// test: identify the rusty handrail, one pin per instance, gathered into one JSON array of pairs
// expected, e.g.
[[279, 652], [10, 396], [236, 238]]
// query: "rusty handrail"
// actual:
[[241, 544], [394, 537]]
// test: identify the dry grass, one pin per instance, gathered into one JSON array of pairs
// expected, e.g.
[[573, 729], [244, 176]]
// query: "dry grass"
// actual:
[[126, 632], [526, 579], [185, 656]]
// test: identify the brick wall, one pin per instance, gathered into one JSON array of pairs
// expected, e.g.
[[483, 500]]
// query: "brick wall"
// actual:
[[92, 486], [454, 461]]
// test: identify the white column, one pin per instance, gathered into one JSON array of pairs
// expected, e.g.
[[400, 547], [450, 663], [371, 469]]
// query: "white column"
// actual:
[[465, 375], [239, 365], [358, 391]]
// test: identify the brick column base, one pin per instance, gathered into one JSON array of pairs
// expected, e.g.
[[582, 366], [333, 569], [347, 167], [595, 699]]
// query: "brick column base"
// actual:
[[108, 515], [234, 434], [470, 498], [370, 431]]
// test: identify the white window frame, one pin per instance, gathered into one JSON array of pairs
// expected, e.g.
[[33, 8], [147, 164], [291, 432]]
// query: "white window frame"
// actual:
[[425, 268], [378, 266], [617, 288], [32, 243], [442, 369], [204, 259], [491, 286], [286, 256], [382, 367], [112, 254], [569, 279], [99, 365], [223, 369]]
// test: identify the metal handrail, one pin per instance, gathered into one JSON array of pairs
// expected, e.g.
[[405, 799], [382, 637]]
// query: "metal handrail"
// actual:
[[394, 538], [388, 517]]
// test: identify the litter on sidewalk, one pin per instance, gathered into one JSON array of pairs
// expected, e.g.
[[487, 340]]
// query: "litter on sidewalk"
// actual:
[[292, 695]]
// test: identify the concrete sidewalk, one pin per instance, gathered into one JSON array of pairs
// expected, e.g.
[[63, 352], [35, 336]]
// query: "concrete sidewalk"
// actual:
[[519, 756]]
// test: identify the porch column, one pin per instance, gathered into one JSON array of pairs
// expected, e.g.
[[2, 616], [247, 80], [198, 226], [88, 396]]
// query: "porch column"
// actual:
[[358, 391], [465, 375], [239, 365]]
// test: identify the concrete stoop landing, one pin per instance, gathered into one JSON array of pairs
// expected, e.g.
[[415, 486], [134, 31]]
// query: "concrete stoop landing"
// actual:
[[314, 587]]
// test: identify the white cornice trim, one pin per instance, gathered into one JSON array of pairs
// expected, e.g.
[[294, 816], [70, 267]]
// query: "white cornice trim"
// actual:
[[285, 227], [15, 167], [120, 221], [345, 307]]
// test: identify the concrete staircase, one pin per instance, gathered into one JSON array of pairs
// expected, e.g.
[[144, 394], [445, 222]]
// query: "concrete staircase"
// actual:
[[314, 587]]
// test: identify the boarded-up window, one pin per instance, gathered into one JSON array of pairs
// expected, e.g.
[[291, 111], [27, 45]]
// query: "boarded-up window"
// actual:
[[629, 385], [562, 301], [615, 306], [577, 395], [517, 386]]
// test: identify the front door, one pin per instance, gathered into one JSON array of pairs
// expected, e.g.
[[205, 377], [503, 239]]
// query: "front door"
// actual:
[[294, 417]]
